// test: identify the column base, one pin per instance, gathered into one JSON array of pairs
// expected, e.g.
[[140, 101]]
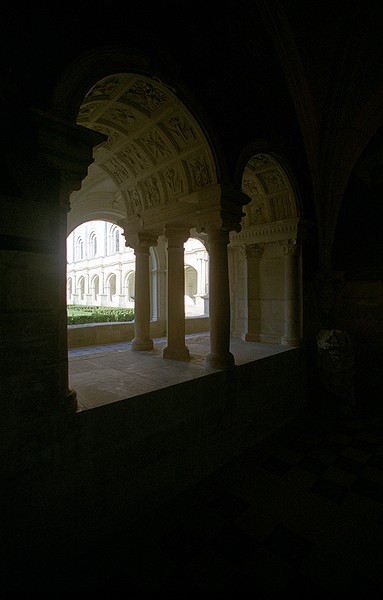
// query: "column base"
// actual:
[[250, 337], [220, 361], [176, 353], [142, 344]]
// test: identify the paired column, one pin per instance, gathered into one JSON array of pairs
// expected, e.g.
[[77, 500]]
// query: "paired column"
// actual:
[[142, 339], [220, 356], [254, 253], [293, 292], [176, 349]]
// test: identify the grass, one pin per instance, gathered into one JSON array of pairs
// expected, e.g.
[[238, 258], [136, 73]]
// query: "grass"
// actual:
[[78, 315]]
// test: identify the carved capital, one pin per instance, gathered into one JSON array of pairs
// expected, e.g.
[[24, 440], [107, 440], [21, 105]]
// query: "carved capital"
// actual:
[[141, 241], [290, 247], [254, 250]]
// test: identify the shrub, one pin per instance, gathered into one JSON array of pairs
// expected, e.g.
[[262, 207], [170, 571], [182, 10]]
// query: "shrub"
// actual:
[[98, 314]]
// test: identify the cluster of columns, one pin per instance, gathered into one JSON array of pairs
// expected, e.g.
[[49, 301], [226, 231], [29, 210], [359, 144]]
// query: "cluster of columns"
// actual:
[[292, 257], [220, 356]]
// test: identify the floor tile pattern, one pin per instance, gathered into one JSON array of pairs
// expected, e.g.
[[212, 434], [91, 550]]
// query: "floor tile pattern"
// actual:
[[109, 373], [298, 513]]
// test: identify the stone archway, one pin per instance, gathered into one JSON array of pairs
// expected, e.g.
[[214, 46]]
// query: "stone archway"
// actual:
[[266, 256], [156, 176]]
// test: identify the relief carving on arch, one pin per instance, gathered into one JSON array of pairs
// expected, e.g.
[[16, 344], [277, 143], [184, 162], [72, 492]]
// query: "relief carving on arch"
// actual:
[[113, 136], [181, 130], [199, 172], [133, 201], [155, 145], [135, 158], [254, 213], [282, 206], [122, 117], [116, 169], [173, 181], [86, 112], [145, 96], [272, 180], [151, 191], [104, 88], [260, 161]]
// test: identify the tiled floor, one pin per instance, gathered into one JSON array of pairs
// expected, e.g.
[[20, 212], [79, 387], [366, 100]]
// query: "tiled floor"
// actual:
[[104, 374], [300, 513]]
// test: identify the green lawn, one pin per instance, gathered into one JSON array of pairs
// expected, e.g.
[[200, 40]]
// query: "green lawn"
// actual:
[[98, 314]]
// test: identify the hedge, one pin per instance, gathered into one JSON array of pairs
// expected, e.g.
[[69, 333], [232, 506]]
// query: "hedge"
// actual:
[[98, 314]]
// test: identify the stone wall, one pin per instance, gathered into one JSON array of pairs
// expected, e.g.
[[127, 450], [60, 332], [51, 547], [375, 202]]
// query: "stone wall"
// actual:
[[70, 484], [93, 334]]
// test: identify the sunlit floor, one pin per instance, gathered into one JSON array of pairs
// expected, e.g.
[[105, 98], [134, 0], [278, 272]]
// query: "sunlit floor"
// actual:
[[104, 374]]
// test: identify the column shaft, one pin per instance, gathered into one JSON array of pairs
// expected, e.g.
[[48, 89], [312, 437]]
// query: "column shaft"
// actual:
[[142, 339], [293, 293], [219, 301], [253, 257], [176, 348]]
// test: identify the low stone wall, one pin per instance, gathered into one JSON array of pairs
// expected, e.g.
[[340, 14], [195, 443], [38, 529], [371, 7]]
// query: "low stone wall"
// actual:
[[74, 485], [94, 334]]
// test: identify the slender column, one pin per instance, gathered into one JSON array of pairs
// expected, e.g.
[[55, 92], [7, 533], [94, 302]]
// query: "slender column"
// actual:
[[254, 254], [142, 339], [219, 301], [293, 292], [102, 297], [176, 348], [67, 394]]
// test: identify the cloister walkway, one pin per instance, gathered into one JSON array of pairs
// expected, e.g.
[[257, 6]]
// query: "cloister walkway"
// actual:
[[112, 372]]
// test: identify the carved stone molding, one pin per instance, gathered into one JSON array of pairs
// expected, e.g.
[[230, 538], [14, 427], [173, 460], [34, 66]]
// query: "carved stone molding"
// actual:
[[275, 231], [254, 250]]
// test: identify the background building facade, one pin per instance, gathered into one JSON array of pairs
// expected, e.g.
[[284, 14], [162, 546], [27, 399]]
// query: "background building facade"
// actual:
[[101, 270]]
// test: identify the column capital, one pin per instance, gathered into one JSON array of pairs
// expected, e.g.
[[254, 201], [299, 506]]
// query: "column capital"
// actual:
[[254, 250], [290, 247], [177, 234], [140, 240]]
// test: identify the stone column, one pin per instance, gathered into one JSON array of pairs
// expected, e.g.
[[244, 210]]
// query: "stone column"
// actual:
[[176, 348], [121, 300], [293, 292], [254, 253], [142, 339], [69, 396], [219, 301]]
